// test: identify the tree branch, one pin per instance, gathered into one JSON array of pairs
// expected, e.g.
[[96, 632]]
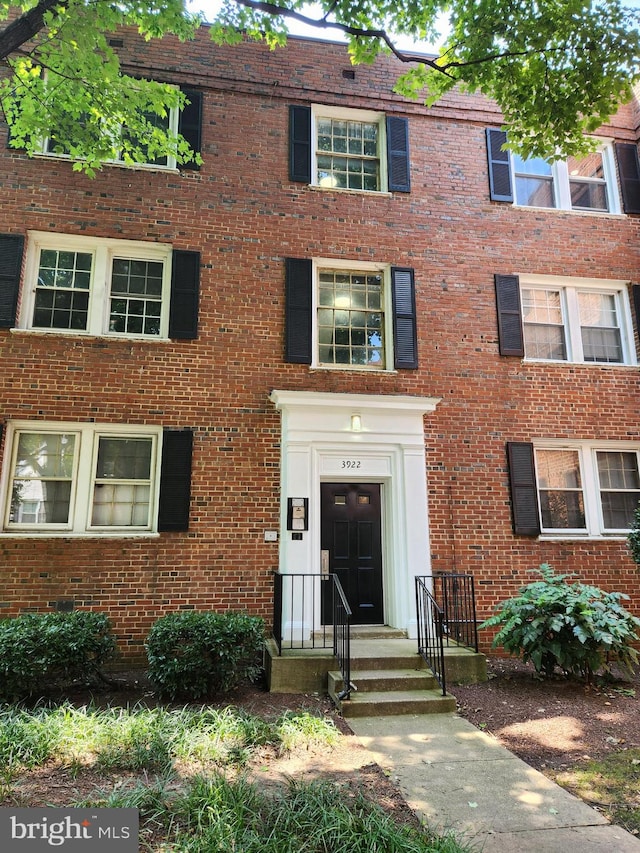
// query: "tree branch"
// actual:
[[436, 63], [24, 28], [323, 23]]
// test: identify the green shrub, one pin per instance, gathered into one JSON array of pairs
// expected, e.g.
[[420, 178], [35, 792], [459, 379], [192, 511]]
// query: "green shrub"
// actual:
[[199, 653], [39, 651], [633, 539], [575, 627]]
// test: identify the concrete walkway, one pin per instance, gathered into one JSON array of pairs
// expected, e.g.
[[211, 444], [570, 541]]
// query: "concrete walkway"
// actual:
[[457, 777]]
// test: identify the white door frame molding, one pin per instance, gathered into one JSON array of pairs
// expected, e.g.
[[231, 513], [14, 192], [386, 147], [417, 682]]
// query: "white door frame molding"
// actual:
[[359, 438]]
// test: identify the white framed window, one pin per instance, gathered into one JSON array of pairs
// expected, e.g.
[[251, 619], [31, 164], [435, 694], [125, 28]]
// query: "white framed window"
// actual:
[[576, 320], [81, 478], [582, 184], [352, 311], [169, 122], [349, 149], [96, 286], [587, 489]]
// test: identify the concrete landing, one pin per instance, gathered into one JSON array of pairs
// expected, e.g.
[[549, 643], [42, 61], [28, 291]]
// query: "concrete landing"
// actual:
[[457, 777]]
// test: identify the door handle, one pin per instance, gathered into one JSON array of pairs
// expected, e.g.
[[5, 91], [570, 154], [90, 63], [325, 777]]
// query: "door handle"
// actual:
[[324, 562]]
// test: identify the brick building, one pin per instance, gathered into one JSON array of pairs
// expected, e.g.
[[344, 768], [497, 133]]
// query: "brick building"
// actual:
[[357, 303]]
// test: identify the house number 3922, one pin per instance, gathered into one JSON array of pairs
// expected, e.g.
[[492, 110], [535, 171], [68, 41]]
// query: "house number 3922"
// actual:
[[350, 463]]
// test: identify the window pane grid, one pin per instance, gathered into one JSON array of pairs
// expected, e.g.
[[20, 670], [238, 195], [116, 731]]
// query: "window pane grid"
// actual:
[[122, 487], [543, 324], [350, 319], [560, 490], [347, 154], [619, 488], [136, 296], [574, 184], [62, 290], [42, 479], [601, 338]]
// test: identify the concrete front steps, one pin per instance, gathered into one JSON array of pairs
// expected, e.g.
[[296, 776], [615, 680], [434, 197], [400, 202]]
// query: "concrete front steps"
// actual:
[[385, 667], [385, 692], [388, 677]]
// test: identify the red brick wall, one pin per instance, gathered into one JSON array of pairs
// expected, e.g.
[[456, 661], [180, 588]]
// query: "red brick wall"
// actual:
[[244, 216]]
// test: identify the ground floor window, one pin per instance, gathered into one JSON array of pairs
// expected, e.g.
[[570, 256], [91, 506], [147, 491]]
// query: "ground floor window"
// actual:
[[587, 489], [81, 477]]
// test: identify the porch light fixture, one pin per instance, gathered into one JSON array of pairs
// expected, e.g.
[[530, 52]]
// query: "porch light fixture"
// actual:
[[356, 423]]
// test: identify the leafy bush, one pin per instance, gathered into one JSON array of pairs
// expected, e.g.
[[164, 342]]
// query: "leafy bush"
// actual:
[[198, 653], [39, 651], [633, 539], [575, 627]]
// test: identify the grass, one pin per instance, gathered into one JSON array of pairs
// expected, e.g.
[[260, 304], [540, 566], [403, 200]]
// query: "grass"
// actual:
[[187, 780], [612, 784], [217, 814]]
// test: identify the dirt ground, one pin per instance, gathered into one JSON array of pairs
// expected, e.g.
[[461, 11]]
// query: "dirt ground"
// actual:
[[553, 724]]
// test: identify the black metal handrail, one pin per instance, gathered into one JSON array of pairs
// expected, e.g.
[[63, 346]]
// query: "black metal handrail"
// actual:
[[342, 636], [455, 593], [430, 632], [298, 599]]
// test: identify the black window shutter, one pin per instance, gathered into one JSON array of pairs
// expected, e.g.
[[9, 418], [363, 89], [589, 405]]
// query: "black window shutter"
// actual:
[[405, 328], [524, 492], [629, 170], [11, 246], [190, 125], [499, 166], [185, 294], [175, 480], [300, 144], [298, 296], [510, 334], [399, 172]]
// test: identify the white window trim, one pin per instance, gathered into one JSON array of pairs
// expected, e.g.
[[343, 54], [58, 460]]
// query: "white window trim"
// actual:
[[83, 478], [569, 287], [103, 251], [171, 164], [594, 520], [561, 190], [320, 111], [319, 264]]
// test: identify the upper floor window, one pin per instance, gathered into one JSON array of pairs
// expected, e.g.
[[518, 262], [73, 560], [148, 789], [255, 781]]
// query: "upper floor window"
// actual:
[[573, 184], [348, 149], [70, 478], [186, 122], [169, 122], [351, 318], [109, 287], [563, 319], [588, 184], [345, 149], [343, 314]]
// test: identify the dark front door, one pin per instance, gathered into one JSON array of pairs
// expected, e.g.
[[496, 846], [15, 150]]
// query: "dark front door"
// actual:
[[351, 533]]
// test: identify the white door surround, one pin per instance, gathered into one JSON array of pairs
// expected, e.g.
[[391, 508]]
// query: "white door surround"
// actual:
[[359, 438]]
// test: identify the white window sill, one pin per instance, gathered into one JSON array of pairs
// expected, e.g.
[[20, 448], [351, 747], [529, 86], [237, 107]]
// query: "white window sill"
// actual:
[[607, 214], [350, 368], [347, 191], [69, 534], [586, 537], [145, 167], [91, 336], [608, 365]]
